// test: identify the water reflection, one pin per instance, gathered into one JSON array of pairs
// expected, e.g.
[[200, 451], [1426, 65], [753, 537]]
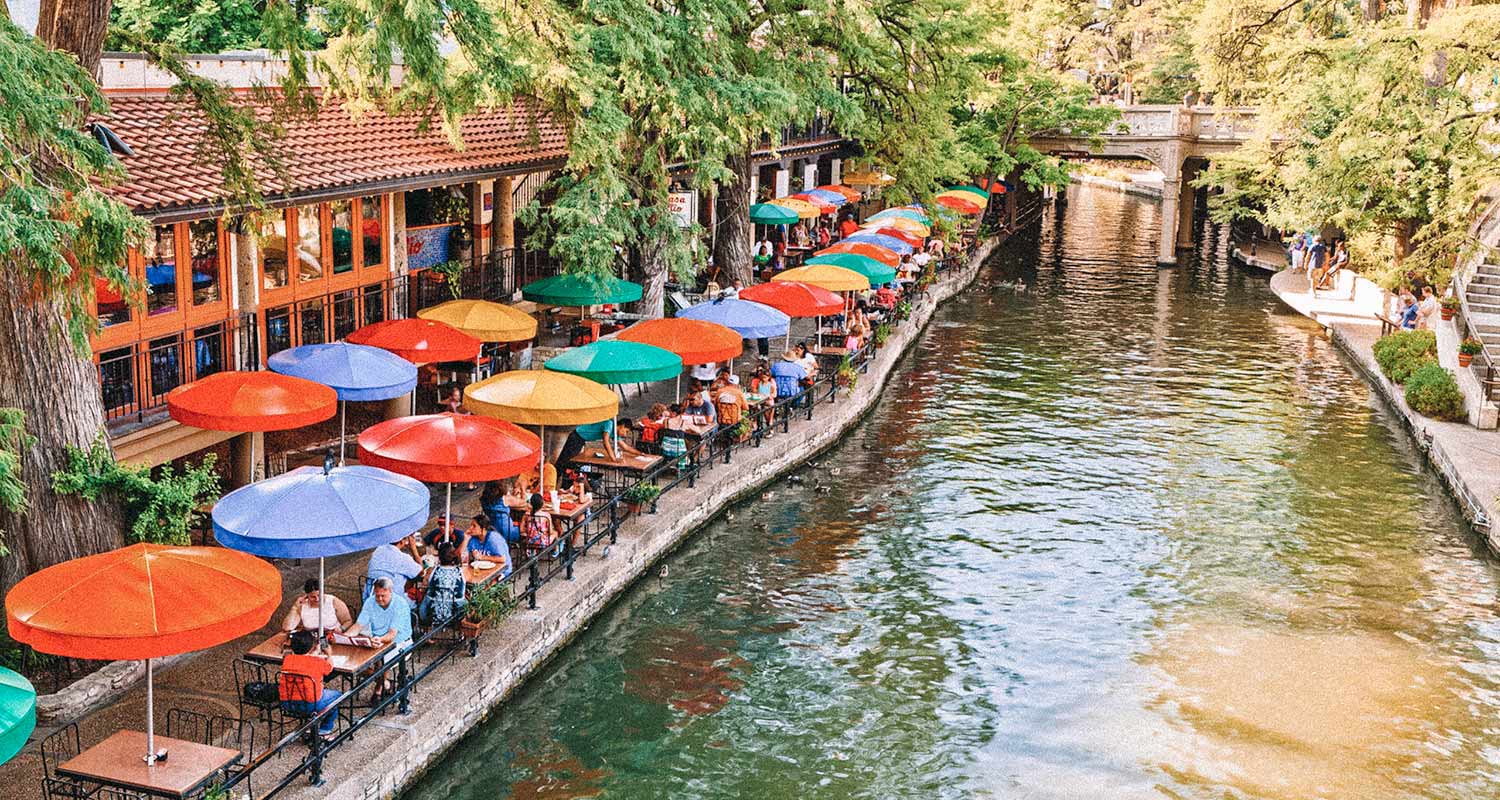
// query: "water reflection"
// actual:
[[1125, 532]]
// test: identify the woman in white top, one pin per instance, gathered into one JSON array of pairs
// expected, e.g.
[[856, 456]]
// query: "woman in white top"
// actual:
[[1427, 310], [303, 615], [705, 372]]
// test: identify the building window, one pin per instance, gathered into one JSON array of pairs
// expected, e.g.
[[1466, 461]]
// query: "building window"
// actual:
[[166, 365], [312, 330], [374, 304], [117, 378], [278, 330], [443, 205], [372, 230], [210, 351], [273, 264], [345, 313], [341, 215], [110, 305], [203, 252], [160, 256], [309, 243]]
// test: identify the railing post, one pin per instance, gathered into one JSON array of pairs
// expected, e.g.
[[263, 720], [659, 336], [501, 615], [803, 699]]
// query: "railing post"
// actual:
[[569, 556], [533, 584], [404, 706], [315, 758]]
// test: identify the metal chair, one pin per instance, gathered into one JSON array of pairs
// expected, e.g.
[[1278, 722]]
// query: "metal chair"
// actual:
[[66, 789], [189, 725], [293, 684], [256, 688], [59, 746], [235, 734]]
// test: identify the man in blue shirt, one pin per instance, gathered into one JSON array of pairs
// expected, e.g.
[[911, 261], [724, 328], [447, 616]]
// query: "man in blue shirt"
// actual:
[[788, 374], [392, 562], [386, 616], [482, 541]]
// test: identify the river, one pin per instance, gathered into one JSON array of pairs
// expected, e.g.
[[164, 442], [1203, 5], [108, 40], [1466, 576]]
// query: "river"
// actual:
[[1123, 533]]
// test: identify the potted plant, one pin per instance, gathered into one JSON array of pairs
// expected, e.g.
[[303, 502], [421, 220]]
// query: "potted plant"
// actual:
[[1467, 349], [903, 310], [639, 495], [1449, 306], [741, 430], [846, 376], [486, 604], [882, 332], [452, 273]]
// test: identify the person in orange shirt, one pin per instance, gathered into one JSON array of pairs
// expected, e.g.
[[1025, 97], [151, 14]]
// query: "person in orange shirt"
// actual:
[[848, 228], [302, 674]]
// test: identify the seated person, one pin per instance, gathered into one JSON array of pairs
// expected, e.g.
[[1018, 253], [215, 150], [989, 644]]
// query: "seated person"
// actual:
[[885, 296], [493, 500], [386, 616], [651, 424], [303, 615], [443, 535], [397, 563], [528, 481], [301, 690], [537, 528], [673, 438], [808, 361], [730, 404], [607, 432], [698, 412], [789, 374], [483, 542], [447, 593]]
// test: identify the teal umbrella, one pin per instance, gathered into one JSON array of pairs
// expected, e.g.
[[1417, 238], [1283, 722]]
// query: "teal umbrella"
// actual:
[[905, 212], [873, 270], [578, 290], [771, 214], [17, 713], [974, 190], [610, 361]]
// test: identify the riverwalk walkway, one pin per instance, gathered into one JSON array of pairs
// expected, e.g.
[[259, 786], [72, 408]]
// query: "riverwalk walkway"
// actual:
[[1467, 458], [456, 691]]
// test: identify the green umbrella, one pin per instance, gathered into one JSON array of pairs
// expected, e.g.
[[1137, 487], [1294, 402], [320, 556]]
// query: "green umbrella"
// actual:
[[975, 190], [17, 713], [610, 361], [771, 214], [578, 290], [873, 270]]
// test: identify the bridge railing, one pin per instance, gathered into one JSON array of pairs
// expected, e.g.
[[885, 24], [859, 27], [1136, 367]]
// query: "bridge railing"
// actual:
[[1201, 122]]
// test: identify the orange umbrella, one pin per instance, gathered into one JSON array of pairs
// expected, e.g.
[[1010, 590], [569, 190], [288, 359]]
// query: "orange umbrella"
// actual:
[[143, 601], [251, 401], [852, 194], [447, 448], [884, 256], [958, 204], [696, 341], [420, 341]]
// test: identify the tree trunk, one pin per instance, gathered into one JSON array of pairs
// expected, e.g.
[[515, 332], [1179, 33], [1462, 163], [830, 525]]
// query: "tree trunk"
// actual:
[[1401, 237], [58, 390], [733, 243], [651, 274], [55, 386], [1372, 10]]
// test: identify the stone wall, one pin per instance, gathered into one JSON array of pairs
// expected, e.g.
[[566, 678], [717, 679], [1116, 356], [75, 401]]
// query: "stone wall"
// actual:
[[390, 753]]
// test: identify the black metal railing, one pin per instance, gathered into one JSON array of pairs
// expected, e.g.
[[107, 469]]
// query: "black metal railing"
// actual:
[[136, 377]]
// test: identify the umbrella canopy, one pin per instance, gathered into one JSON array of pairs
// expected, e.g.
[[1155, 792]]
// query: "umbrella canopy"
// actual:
[[894, 233], [869, 179], [420, 341], [17, 713], [900, 213], [540, 397], [865, 237], [768, 214], [446, 448], [824, 206], [143, 601], [880, 253], [484, 320], [802, 208], [251, 401], [795, 299], [832, 198], [749, 320], [694, 341], [353, 371], [578, 290], [610, 361], [851, 195], [312, 512], [959, 204], [910, 226], [873, 270], [983, 195], [826, 276]]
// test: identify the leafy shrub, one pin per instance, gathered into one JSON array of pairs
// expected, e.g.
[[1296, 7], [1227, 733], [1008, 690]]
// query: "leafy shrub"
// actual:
[[1431, 391], [1403, 353], [162, 507]]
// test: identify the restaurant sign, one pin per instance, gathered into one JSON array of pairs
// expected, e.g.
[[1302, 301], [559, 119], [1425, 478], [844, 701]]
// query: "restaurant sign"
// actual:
[[427, 246], [683, 206]]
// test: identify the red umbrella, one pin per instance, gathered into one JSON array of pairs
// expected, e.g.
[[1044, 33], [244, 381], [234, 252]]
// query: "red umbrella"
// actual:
[[251, 401], [450, 448], [695, 341], [958, 204], [420, 341], [914, 241], [795, 299], [143, 601], [824, 207], [875, 251], [851, 195]]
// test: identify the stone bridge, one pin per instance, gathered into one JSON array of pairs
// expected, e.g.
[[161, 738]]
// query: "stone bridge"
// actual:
[[1180, 141]]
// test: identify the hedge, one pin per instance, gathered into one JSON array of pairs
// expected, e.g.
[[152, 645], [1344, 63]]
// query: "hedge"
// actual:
[[1432, 391], [1402, 354]]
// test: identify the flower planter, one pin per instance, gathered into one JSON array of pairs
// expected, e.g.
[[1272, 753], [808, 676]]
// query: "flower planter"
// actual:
[[633, 508], [1446, 312], [471, 628], [1465, 359]]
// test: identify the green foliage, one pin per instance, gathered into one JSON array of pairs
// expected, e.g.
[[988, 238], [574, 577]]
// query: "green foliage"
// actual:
[[453, 275], [489, 603], [163, 506], [1471, 347], [847, 375], [1402, 353], [1431, 391], [13, 443], [903, 309], [641, 494], [192, 26], [881, 333]]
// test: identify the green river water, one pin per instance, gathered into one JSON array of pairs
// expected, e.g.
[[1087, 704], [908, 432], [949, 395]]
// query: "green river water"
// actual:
[[1128, 533]]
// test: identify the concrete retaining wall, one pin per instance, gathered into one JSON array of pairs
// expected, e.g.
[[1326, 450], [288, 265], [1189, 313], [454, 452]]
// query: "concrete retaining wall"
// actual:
[[388, 754]]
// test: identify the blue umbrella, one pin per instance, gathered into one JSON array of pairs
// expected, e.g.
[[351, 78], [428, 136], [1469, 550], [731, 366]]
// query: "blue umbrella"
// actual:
[[749, 320], [354, 371], [829, 197], [311, 512], [908, 213], [890, 243]]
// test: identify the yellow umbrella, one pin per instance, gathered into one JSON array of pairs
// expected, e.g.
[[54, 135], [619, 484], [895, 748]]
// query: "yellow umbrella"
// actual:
[[826, 276], [911, 226], [868, 179], [541, 398], [484, 320], [802, 208]]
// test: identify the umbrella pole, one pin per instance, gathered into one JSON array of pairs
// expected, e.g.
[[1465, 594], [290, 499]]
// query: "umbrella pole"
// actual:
[[321, 594], [341, 462], [679, 388], [541, 462], [150, 715], [448, 509]]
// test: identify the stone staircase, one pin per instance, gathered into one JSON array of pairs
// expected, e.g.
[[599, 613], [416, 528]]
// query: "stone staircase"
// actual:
[[1482, 298]]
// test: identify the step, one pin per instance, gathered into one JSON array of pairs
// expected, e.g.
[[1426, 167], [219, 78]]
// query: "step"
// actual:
[[1484, 308], [1487, 269], [1485, 277], [1483, 289]]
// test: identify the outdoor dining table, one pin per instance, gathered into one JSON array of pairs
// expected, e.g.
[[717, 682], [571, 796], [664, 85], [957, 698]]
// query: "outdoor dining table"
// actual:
[[572, 512], [594, 455], [348, 661], [116, 762], [476, 577]]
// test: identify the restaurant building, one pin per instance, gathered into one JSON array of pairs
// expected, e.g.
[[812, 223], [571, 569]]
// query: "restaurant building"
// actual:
[[363, 212]]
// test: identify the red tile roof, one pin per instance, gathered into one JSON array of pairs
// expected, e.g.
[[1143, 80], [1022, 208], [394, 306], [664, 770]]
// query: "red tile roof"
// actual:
[[333, 152]]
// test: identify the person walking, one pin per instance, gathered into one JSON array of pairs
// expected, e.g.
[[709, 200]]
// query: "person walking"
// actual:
[[1297, 254]]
